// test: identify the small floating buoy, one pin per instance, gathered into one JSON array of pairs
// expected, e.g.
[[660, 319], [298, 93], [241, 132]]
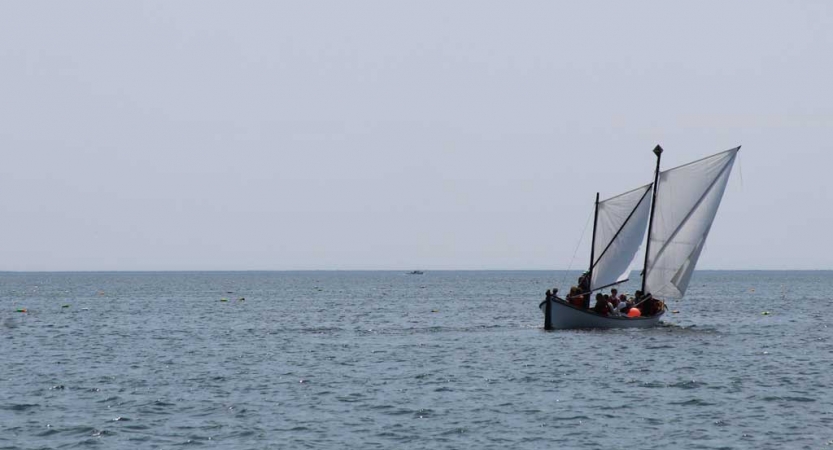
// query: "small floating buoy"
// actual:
[[223, 299], [241, 299], [435, 310], [21, 310], [676, 311], [765, 313], [64, 306]]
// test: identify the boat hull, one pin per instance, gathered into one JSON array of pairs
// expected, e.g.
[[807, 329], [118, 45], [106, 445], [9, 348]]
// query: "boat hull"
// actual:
[[564, 316]]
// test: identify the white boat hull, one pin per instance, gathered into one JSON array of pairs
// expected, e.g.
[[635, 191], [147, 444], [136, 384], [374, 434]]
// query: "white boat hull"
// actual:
[[564, 316]]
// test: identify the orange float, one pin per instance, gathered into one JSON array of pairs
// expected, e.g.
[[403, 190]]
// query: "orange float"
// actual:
[[634, 313]]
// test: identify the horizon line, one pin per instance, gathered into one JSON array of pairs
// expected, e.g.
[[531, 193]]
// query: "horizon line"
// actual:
[[368, 270]]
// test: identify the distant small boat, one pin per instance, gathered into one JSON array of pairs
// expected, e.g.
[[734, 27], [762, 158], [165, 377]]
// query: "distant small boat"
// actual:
[[416, 272], [684, 200]]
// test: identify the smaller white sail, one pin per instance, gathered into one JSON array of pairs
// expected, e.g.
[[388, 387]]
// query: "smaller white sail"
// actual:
[[620, 228], [686, 203]]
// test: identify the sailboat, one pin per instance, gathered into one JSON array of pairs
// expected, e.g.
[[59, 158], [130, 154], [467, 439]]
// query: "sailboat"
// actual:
[[677, 210]]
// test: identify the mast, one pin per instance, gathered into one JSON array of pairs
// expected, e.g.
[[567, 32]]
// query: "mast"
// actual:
[[658, 152], [593, 244]]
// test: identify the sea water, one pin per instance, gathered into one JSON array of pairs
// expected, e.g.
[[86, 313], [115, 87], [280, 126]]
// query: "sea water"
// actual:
[[384, 360]]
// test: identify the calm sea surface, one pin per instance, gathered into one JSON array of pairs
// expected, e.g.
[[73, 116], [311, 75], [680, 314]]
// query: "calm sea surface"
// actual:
[[388, 360]]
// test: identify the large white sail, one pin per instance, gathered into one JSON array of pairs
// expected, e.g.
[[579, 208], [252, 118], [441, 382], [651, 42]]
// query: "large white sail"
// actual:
[[620, 228], [687, 199]]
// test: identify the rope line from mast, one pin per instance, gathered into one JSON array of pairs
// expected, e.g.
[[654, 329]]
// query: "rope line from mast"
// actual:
[[573, 259]]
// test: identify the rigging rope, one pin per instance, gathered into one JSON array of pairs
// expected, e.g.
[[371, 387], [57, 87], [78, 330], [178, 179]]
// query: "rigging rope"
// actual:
[[570, 266], [740, 172]]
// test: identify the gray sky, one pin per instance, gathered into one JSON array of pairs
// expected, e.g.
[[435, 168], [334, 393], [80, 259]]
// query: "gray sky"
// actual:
[[399, 135]]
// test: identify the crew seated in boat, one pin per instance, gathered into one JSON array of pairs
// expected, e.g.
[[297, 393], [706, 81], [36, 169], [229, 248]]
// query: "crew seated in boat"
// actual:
[[602, 306], [637, 297], [549, 295], [651, 306], [575, 298], [622, 308], [624, 305], [647, 305], [614, 305]]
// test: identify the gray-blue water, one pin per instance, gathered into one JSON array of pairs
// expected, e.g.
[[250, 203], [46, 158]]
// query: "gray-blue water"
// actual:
[[388, 360]]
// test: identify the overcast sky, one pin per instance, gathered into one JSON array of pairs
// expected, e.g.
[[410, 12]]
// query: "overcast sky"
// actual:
[[195, 135]]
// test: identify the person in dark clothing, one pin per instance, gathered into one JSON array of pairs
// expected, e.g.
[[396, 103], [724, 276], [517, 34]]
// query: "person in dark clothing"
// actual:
[[584, 282], [602, 306], [584, 287], [651, 306]]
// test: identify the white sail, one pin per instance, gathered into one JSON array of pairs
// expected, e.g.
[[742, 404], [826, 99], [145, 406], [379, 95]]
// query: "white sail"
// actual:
[[687, 199], [620, 228]]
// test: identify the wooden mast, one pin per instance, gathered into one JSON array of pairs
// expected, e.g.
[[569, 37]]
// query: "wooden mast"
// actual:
[[593, 245], [658, 152]]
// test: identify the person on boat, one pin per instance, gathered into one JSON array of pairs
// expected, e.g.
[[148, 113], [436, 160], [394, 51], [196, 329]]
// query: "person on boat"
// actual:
[[660, 305], [622, 308], [599, 303], [624, 305], [651, 306], [584, 282], [647, 304], [614, 305], [638, 302], [614, 294], [575, 298], [602, 307], [578, 299], [549, 295], [584, 286]]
